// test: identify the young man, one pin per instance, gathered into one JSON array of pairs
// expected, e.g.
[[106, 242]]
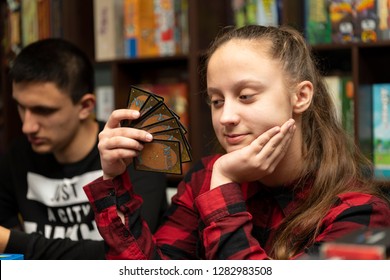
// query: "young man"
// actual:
[[44, 213]]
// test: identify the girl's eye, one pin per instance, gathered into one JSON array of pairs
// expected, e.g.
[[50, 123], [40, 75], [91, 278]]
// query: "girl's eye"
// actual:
[[246, 97], [216, 102]]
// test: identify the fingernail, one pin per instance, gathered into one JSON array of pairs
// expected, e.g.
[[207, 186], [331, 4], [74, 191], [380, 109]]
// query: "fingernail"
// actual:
[[135, 114], [149, 137]]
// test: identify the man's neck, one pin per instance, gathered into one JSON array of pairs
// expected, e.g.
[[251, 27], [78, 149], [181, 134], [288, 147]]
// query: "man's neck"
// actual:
[[82, 144]]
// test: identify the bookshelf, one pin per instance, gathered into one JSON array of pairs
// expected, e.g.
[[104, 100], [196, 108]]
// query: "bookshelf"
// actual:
[[364, 62]]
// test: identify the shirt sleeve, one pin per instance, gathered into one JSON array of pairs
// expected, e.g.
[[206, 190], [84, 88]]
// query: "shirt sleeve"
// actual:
[[36, 246], [353, 211], [106, 196], [228, 225], [175, 239]]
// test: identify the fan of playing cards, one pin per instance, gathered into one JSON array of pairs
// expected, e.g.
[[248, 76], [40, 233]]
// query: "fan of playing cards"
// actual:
[[169, 147]]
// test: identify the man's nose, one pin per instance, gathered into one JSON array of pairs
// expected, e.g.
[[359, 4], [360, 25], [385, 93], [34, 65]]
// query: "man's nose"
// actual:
[[30, 124]]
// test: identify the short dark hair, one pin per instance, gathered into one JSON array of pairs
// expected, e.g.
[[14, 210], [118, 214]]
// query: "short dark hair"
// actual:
[[55, 60]]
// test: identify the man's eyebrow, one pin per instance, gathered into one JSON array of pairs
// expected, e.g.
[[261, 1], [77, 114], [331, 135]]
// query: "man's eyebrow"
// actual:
[[38, 107]]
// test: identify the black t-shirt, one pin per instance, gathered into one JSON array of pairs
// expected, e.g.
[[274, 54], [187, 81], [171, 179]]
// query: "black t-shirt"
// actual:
[[48, 200]]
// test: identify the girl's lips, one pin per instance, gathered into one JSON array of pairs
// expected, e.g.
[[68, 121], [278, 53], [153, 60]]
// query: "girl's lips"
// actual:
[[234, 139]]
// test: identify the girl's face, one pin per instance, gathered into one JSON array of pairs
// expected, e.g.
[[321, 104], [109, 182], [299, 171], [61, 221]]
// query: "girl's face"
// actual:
[[247, 93]]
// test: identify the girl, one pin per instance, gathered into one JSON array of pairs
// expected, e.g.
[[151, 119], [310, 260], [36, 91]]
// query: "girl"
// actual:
[[290, 178]]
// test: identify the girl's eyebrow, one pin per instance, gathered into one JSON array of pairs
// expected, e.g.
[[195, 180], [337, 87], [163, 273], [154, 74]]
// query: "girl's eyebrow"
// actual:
[[255, 84], [212, 90]]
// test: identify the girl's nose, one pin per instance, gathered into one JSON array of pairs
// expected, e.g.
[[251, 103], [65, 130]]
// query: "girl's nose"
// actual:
[[230, 114]]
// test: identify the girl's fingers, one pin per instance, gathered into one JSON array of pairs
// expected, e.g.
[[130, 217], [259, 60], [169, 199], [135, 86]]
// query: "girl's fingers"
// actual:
[[272, 138], [121, 114]]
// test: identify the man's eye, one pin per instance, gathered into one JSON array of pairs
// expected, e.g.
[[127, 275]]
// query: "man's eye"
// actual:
[[44, 111]]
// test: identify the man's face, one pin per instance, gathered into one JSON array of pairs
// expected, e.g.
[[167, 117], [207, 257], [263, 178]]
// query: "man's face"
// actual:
[[50, 119]]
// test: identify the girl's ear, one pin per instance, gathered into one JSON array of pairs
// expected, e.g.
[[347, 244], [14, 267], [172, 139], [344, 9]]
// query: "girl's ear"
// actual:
[[87, 103], [302, 97]]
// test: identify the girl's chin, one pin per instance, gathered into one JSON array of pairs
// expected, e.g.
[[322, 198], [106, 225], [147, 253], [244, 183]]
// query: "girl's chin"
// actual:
[[230, 149]]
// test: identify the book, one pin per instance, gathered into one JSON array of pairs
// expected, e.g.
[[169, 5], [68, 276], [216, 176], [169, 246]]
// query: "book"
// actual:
[[246, 12], [361, 244], [149, 28], [109, 43], [334, 85], [348, 106], [251, 11], [105, 102], [366, 20], [317, 22], [381, 130], [364, 109], [56, 28], [184, 25], [13, 29], [342, 92], [239, 12], [131, 27], [181, 32], [164, 28], [29, 19], [383, 13], [44, 28], [343, 24], [155, 28], [267, 13]]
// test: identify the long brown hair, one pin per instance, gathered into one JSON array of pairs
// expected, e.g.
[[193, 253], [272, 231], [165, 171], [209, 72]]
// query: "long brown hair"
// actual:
[[331, 158]]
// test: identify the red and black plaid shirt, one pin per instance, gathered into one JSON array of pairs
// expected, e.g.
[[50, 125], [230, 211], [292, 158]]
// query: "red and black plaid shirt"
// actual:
[[230, 222]]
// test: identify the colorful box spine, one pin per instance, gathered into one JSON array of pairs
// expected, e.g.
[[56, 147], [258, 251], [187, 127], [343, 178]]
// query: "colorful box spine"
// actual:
[[366, 20], [348, 106], [364, 109], [165, 27], [381, 130], [361, 244], [4, 257], [180, 29], [153, 28], [267, 12], [131, 27], [383, 12], [343, 21], [239, 13], [108, 34], [317, 22], [147, 32], [30, 27]]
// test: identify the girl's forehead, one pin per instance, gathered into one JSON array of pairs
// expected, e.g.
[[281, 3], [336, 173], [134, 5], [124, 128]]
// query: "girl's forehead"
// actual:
[[236, 47]]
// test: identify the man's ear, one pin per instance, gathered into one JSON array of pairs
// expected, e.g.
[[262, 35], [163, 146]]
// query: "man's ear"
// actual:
[[303, 97], [87, 103]]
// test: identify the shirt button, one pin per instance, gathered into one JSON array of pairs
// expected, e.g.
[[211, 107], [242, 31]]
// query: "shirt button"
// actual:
[[125, 233]]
